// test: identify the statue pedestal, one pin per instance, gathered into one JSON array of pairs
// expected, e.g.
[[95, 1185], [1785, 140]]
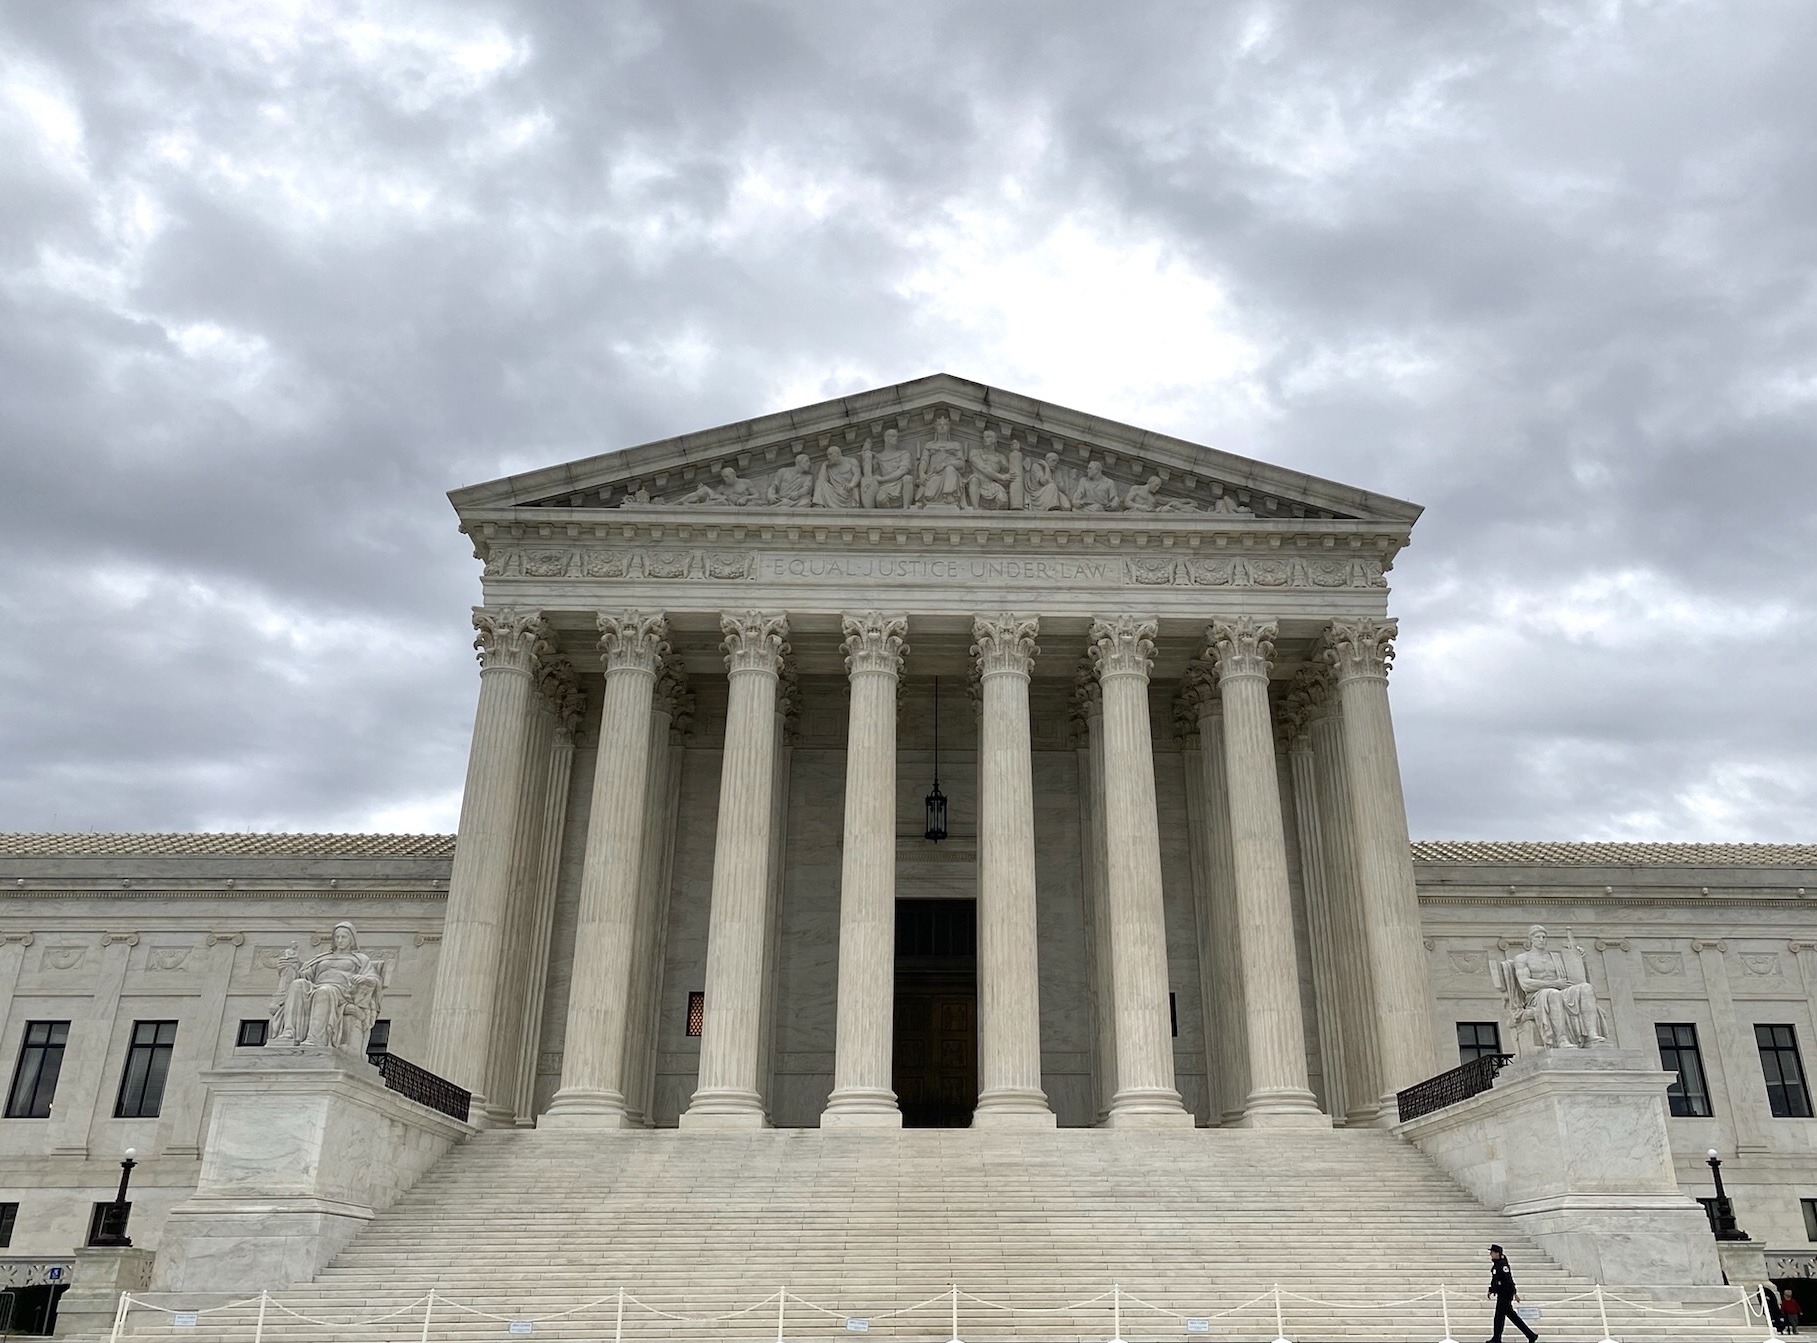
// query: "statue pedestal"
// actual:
[[101, 1274], [1572, 1144], [304, 1146]]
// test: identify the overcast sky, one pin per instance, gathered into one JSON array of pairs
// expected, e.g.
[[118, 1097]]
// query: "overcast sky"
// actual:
[[275, 276]]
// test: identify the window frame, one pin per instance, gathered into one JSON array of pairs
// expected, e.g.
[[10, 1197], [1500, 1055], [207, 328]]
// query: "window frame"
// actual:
[[146, 1070], [9, 1218], [1682, 1101], [41, 1050], [378, 1039], [1481, 1051], [1808, 1206], [263, 1031], [1790, 1096]]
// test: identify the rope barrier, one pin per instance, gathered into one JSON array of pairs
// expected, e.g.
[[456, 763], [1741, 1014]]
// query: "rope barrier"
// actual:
[[1752, 1304]]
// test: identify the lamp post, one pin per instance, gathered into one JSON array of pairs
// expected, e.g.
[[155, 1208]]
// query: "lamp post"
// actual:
[[1722, 1212], [112, 1228], [936, 800]]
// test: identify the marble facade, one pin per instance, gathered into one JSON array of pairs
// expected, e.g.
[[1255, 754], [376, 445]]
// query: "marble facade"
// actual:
[[704, 730]]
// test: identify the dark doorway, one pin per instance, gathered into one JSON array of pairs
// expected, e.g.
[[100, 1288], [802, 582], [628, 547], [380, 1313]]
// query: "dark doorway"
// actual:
[[936, 1037]]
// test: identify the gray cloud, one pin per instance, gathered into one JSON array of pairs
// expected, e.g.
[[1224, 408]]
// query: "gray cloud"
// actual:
[[272, 280]]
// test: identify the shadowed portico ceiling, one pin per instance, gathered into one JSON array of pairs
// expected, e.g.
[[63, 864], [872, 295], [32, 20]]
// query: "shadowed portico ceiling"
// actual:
[[967, 448]]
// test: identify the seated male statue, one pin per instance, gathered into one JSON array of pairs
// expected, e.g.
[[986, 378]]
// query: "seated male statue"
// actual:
[[1555, 994]]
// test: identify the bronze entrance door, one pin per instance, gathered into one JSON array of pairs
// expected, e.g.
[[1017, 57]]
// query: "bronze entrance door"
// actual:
[[936, 1031]]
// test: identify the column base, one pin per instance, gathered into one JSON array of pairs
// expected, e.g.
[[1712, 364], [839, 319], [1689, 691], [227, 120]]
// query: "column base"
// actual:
[[585, 1108], [1284, 1108], [1149, 1107], [1014, 1107], [724, 1108], [861, 1107]]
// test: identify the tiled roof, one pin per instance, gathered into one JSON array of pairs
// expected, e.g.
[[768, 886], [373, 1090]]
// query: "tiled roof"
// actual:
[[1613, 855], [201, 844]]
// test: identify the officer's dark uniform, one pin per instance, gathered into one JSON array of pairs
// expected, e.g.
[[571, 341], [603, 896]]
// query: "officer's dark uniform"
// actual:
[[1501, 1287]]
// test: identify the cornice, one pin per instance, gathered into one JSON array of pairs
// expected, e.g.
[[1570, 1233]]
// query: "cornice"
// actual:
[[23, 893]]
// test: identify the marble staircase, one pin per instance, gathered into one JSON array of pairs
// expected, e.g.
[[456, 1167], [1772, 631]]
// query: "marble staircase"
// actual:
[[529, 1224]]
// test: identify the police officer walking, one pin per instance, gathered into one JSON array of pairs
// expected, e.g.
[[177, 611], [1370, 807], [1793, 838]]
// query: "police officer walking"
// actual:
[[1501, 1287]]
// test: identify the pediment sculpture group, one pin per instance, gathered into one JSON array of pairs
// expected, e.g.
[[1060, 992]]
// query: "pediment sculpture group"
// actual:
[[944, 474], [1547, 993]]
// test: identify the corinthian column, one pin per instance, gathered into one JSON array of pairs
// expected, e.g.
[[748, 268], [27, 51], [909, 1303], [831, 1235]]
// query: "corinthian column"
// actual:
[[726, 1094], [1122, 647], [867, 881], [1358, 653], [1297, 709], [479, 886], [1278, 1094], [1089, 706], [1009, 1008], [592, 1093]]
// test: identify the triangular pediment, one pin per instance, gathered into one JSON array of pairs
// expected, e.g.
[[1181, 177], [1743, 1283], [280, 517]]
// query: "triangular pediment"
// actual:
[[938, 444]]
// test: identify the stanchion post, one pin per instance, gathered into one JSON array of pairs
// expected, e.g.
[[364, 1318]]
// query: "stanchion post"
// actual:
[[1280, 1323], [428, 1310], [782, 1304], [955, 1337], [1444, 1305], [618, 1318], [120, 1310], [258, 1330], [1116, 1312], [1602, 1313]]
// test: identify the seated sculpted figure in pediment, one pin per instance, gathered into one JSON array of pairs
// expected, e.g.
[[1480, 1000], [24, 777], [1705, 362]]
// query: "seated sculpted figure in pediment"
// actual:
[[1551, 1002], [329, 1000], [940, 476], [888, 475]]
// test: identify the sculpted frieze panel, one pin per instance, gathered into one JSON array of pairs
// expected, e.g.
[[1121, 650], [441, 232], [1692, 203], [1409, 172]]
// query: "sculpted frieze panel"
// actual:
[[699, 564], [941, 464]]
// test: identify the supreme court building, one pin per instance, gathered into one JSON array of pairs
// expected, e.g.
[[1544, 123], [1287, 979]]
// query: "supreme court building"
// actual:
[[933, 757]]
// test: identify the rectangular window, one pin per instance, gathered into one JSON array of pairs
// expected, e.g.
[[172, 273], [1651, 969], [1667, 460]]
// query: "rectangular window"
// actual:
[[1687, 1097], [1809, 1205], [1786, 1092], [252, 1034], [1173, 1014], [378, 1040], [35, 1078], [107, 1223], [9, 1213], [147, 1065], [1477, 1039], [697, 1012]]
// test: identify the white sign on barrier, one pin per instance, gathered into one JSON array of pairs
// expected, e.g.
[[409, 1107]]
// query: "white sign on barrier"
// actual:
[[1198, 1326], [522, 1326], [857, 1326], [183, 1319]]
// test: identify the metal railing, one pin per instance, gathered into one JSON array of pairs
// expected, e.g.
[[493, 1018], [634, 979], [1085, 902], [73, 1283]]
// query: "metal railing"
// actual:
[[1460, 1084], [420, 1085]]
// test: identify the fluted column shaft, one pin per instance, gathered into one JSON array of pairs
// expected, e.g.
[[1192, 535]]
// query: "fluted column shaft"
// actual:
[[1122, 648], [1095, 860], [462, 1020], [1228, 1026], [1009, 1006], [1358, 653], [862, 1094], [1309, 831], [726, 1094], [1278, 1093], [653, 876], [592, 1093], [1362, 1067], [561, 767], [514, 947]]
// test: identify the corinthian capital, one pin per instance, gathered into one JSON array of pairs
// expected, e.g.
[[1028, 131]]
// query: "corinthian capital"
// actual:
[[1198, 700], [1359, 648], [1124, 645], [671, 688], [1004, 643], [508, 637], [755, 640], [875, 642], [1242, 647], [632, 640], [1304, 700], [1088, 695]]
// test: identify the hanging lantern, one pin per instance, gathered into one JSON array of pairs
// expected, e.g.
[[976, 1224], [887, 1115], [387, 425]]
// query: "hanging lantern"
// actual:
[[936, 800]]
